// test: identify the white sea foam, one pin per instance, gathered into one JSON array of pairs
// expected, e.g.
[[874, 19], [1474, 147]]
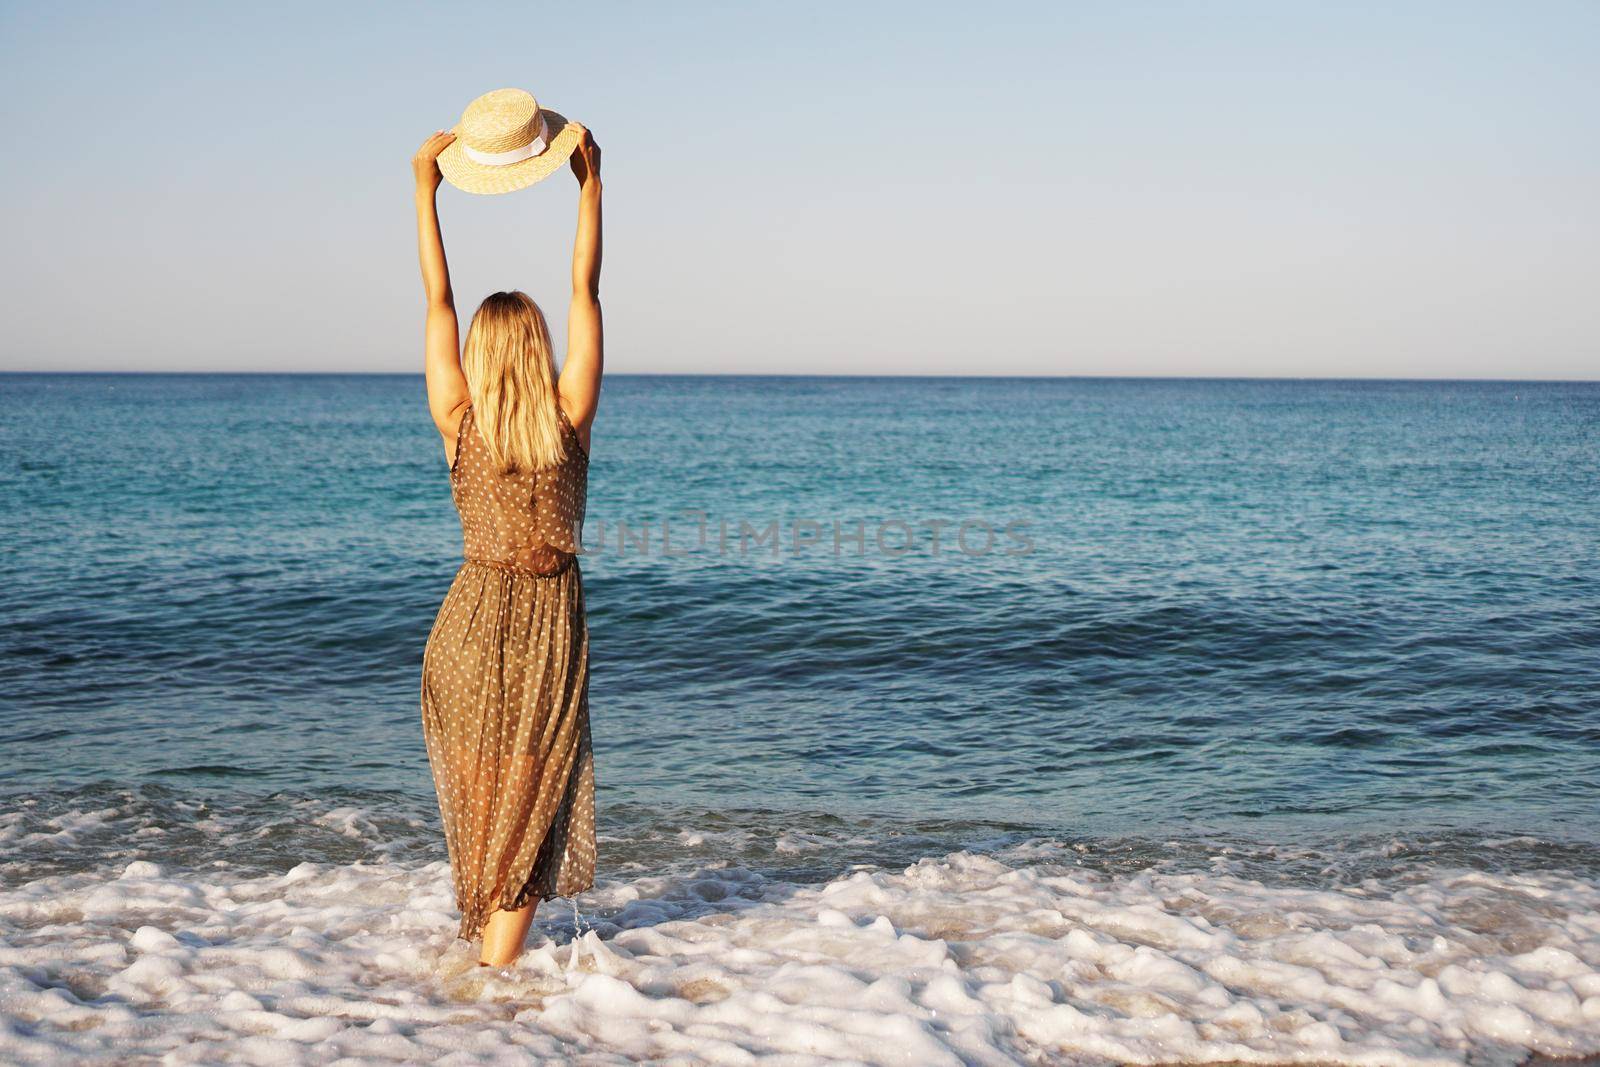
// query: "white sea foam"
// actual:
[[965, 958]]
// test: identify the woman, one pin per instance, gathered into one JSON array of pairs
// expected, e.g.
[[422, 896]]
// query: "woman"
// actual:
[[505, 693]]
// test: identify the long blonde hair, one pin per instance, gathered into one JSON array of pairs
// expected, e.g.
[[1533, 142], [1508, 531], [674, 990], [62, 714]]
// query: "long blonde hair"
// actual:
[[511, 377]]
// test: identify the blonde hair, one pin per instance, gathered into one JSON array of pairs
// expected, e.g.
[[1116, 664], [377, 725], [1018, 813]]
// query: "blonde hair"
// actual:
[[511, 377]]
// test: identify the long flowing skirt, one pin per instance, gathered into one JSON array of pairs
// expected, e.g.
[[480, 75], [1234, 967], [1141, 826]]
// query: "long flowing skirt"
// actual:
[[505, 716]]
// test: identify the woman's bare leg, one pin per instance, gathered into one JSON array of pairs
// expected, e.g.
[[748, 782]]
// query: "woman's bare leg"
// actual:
[[504, 933]]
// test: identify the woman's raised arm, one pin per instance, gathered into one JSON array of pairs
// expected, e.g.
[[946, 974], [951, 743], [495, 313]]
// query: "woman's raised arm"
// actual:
[[447, 386], [580, 373]]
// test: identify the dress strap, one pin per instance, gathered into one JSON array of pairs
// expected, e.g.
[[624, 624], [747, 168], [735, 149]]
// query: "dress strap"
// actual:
[[567, 422], [461, 433]]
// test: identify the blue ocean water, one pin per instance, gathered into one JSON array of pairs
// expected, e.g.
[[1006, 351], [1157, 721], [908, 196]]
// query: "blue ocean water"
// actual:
[[1158, 612]]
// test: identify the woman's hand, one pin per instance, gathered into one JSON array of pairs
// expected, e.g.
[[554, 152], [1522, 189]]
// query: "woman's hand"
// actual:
[[586, 157], [425, 164]]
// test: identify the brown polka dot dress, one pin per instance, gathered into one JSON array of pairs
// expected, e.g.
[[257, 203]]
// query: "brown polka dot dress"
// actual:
[[505, 686]]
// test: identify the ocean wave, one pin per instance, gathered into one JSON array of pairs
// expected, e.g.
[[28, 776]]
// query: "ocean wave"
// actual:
[[1026, 954]]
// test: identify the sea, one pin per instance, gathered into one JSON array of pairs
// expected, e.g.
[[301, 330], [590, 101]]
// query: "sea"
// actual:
[[936, 721]]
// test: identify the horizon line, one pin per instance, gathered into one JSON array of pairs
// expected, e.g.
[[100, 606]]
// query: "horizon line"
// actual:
[[816, 376]]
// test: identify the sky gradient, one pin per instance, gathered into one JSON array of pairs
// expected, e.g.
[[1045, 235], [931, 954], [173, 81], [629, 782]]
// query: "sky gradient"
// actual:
[[1278, 189]]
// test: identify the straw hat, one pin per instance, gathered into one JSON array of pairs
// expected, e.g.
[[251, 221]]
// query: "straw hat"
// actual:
[[506, 141]]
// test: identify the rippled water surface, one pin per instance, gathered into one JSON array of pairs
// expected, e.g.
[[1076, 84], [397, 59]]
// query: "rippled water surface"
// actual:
[[1232, 721], [1174, 604]]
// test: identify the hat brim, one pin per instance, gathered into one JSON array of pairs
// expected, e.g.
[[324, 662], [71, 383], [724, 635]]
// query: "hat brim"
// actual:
[[471, 177]]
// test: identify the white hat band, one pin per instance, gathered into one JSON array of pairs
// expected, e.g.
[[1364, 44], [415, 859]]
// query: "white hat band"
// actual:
[[516, 155]]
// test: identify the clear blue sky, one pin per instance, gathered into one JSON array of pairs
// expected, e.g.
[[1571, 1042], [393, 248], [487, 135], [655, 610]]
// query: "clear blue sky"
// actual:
[[1146, 188]]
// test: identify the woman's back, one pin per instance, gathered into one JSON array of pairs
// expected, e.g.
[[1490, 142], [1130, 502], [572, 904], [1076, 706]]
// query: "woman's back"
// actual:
[[527, 520]]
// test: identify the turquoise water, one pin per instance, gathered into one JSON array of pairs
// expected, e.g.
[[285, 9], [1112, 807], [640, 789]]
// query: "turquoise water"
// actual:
[[1266, 612]]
